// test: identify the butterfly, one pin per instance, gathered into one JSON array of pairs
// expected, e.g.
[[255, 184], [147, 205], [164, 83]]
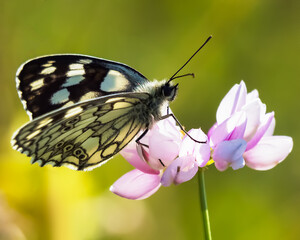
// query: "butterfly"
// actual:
[[83, 110]]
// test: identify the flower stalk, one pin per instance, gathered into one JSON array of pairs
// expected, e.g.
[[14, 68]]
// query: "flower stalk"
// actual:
[[203, 203]]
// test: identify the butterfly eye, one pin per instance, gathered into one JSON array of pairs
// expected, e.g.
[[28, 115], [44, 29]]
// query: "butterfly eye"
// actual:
[[167, 90]]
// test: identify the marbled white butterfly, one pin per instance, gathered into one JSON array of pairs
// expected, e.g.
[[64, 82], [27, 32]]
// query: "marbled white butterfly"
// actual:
[[84, 110]]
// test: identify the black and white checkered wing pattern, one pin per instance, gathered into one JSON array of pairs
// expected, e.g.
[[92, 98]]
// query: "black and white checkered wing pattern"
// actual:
[[85, 135], [48, 83]]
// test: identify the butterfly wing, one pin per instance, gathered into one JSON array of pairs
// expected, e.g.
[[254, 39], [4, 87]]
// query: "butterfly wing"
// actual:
[[85, 135], [48, 83]]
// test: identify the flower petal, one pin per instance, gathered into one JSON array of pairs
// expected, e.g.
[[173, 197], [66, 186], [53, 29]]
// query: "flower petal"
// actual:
[[163, 148], [232, 128], [252, 96], [211, 130], [255, 111], [270, 130], [182, 169], [232, 102], [164, 144], [200, 151], [136, 185], [131, 155], [264, 126], [270, 151], [230, 153]]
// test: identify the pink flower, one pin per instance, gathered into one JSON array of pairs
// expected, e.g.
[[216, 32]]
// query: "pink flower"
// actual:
[[192, 155], [159, 164], [243, 133]]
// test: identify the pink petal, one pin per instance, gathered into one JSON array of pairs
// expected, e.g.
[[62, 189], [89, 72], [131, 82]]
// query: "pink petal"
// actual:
[[234, 100], [239, 130], [182, 169], [264, 126], [164, 144], [211, 130], [200, 151], [163, 148], [230, 153], [168, 126], [231, 128], [270, 151], [136, 185], [255, 110], [270, 130], [155, 163], [251, 96], [131, 155]]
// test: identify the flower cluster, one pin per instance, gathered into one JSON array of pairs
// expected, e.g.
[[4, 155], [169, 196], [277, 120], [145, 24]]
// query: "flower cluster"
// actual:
[[242, 135], [163, 157]]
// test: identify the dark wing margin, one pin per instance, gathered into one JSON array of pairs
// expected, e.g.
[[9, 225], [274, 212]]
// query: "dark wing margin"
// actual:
[[83, 136], [48, 83]]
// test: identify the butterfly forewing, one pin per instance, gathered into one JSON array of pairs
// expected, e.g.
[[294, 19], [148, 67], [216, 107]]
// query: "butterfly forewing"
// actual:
[[52, 82], [84, 135]]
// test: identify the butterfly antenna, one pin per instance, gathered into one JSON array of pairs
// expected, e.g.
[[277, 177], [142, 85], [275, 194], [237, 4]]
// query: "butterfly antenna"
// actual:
[[184, 75], [173, 77]]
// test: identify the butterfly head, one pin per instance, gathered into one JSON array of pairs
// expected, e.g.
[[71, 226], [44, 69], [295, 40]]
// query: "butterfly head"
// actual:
[[169, 91]]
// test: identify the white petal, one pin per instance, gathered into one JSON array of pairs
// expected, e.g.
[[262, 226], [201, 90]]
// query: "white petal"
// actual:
[[234, 100], [268, 152]]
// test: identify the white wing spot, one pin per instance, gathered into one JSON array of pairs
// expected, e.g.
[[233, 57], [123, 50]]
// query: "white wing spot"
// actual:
[[37, 84], [48, 64], [114, 81], [76, 69], [89, 95], [76, 66], [72, 73], [60, 96], [70, 103], [85, 61], [74, 80], [73, 111], [44, 122], [48, 70], [32, 135], [114, 99]]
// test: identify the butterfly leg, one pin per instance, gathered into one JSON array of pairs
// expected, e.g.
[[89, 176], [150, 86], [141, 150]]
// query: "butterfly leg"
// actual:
[[140, 137], [181, 127]]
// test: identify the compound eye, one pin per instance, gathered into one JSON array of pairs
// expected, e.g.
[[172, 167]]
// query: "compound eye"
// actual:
[[167, 90]]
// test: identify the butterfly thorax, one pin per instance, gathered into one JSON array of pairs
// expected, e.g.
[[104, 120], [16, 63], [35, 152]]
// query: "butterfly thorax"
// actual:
[[160, 94]]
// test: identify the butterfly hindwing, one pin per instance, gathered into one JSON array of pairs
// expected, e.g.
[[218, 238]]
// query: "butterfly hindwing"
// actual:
[[85, 135], [48, 83]]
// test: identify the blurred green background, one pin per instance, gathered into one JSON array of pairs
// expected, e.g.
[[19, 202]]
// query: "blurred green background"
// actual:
[[254, 40]]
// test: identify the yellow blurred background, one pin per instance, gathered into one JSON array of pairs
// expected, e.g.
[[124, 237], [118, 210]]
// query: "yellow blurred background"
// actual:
[[254, 40]]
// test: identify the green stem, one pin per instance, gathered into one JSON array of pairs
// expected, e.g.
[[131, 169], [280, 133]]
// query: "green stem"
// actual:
[[203, 202]]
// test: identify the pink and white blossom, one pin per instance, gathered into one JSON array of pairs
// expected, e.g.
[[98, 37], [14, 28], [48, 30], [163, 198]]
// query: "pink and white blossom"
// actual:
[[243, 133], [168, 158]]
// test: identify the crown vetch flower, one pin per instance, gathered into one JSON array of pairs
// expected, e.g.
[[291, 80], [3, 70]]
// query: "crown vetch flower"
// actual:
[[243, 133], [158, 163]]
